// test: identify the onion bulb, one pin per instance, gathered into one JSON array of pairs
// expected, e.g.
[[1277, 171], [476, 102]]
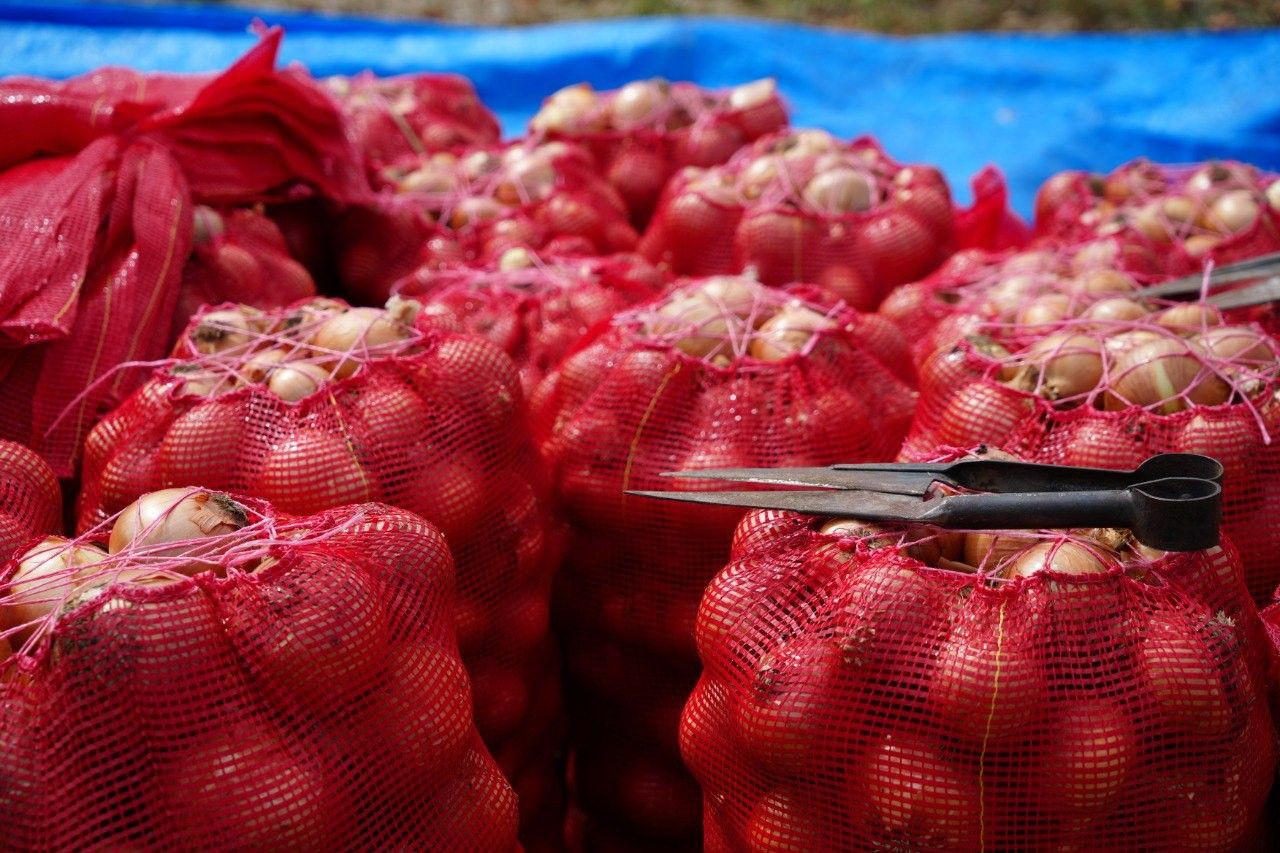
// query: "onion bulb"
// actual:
[[787, 333], [1273, 195], [1069, 364], [221, 330], [1047, 310], [428, 178], [255, 370], [759, 174], [47, 574], [529, 179], [839, 191], [989, 550], [175, 516], [1189, 315], [356, 330], [1125, 341], [812, 141], [1234, 212], [1069, 558], [565, 110], [474, 209], [1240, 345], [1116, 308], [1156, 375], [517, 258], [1103, 281], [734, 294], [296, 381], [753, 94], [636, 102], [702, 326]]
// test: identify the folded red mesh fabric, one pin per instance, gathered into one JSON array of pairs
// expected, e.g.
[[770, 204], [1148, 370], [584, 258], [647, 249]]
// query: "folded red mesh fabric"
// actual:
[[97, 200], [229, 671], [858, 695], [30, 500]]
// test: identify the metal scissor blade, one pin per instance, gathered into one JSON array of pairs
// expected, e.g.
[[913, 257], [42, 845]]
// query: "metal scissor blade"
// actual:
[[870, 506], [891, 477], [1258, 294], [1263, 265]]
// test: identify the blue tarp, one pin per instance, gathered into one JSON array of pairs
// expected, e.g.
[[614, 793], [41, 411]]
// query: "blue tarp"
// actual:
[[1033, 104]]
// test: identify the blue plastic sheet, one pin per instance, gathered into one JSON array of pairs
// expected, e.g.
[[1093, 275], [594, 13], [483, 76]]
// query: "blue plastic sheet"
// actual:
[[1033, 104]]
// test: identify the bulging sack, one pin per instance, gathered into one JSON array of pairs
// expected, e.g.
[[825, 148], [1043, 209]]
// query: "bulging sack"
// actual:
[[223, 670]]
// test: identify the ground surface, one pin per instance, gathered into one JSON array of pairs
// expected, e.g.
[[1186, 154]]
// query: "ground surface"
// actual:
[[894, 16]]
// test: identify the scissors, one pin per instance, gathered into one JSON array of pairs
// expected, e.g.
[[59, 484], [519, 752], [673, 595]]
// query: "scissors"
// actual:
[[1172, 501], [1266, 267]]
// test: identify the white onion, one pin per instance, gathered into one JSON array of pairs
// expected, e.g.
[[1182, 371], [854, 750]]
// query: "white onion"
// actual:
[[1156, 374], [1116, 308], [1066, 557]]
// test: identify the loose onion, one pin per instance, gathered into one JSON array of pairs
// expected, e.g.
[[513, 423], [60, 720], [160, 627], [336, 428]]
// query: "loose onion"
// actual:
[[175, 516], [1069, 364], [517, 258], [787, 333], [296, 381], [1163, 375], [47, 574], [1234, 212], [1200, 244], [221, 330], [357, 330], [1117, 308], [839, 191], [1065, 557], [758, 174]]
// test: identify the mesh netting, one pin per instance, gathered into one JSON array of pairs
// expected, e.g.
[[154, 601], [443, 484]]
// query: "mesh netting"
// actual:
[[857, 697], [720, 372], [643, 133], [230, 674], [30, 500], [1187, 215], [393, 117], [291, 408], [802, 206], [535, 309], [99, 233], [1112, 394]]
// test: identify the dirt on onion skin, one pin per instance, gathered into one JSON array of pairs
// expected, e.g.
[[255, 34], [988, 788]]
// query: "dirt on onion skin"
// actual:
[[890, 16]]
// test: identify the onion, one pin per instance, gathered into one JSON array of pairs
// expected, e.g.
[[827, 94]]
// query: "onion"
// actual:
[[1125, 341], [221, 330], [759, 174], [1200, 244], [1070, 364], [474, 209], [1154, 375], [1207, 177], [735, 294], [1162, 218], [357, 330], [1234, 212], [787, 333], [517, 258], [1032, 261], [637, 102], [1273, 195], [175, 515], [1095, 253], [753, 94], [310, 471], [296, 381], [1240, 345], [917, 794], [255, 370], [1182, 675], [47, 574], [1007, 297], [1069, 558], [477, 164], [839, 191], [1100, 281], [565, 110], [1117, 308], [208, 226], [530, 179], [989, 550], [427, 178], [1047, 310], [981, 412]]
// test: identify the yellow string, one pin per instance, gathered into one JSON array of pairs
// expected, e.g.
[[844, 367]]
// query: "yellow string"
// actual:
[[635, 440], [986, 735]]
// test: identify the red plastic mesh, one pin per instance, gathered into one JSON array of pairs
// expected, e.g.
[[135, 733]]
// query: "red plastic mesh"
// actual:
[[536, 313], [439, 430], [854, 698], [30, 499], [97, 288], [1075, 206], [304, 694], [392, 117], [238, 256], [737, 218], [689, 126], [962, 404], [618, 412]]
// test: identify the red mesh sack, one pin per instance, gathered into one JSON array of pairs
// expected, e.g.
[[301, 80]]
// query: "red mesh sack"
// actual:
[[30, 501], [393, 117], [98, 288], [535, 309], [1186, 215], [861, 691], [990, 223], [1112, 394], [643, 133], [802, 206], [375, 244], [319, 406], [227, 672], [685, 382], [238, 256]]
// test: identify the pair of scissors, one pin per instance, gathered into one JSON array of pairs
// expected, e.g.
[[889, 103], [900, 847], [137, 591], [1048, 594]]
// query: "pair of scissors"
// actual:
[[1266, 267], [1173, 501]]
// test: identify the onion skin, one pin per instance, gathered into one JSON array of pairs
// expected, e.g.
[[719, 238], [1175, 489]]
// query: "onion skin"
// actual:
[[839, 191], [221, 330], [1240, 344], [1156, 376], [1063, 557], [989, 550], [1067, 364], [175, 515]]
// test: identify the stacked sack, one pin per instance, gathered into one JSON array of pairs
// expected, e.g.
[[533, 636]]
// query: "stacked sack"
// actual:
[[535, 308], [720, 371], [1110, 393], [897, 686], [320, 405], [204, 667], [643, 133]]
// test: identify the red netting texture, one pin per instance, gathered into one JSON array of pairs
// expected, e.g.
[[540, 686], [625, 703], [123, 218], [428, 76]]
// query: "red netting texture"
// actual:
[[535, 308], [803, 206], [1186, 214], [30, 500], [1110, 395], [318, 406], [719, 372], [392, 117], [231, 672], [1070, 695]]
